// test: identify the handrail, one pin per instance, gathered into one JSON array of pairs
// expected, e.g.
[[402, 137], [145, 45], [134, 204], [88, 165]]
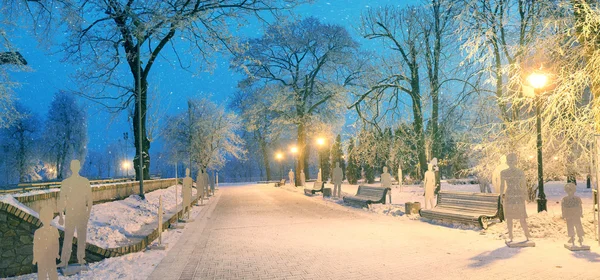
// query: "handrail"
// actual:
[[25, 187]]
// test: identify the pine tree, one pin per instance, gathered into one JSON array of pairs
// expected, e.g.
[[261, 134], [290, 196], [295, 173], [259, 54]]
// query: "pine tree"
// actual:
[[324, 163], [337, 155], [353, 170], [369, 173]]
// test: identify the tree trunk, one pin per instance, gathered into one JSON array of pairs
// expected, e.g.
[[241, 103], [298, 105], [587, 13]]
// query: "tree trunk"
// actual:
[[145, 147], [301, 162], [418, 127], [265, 154]]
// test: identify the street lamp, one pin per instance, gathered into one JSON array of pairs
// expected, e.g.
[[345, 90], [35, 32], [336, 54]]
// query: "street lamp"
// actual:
[[125, 165], [279, 157], [538, 81]]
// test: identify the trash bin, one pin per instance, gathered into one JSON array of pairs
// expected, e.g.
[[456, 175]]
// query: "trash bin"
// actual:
[[412, 208], [416, 206], [326, 192]]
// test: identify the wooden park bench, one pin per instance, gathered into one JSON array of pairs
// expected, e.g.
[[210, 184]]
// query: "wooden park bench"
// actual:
[[366, 196], [317, 187], [280, 183], [466, 207]]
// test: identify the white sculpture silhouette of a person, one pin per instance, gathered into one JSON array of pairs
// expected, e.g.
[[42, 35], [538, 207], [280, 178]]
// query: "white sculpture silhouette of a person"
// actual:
[[186, 192], [200, 185], [429, 184], [45, 246], [291, 177], [206, 186], [386, 181], [75, 202], [337, 177], [302, 178], [513, 188], [319, 177], [572, 212], [496, 174]]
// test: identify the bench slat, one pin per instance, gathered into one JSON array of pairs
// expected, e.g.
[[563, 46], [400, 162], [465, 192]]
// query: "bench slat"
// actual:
[[465, 207]]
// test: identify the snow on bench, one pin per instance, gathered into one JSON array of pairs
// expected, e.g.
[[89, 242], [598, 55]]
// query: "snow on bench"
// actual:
[[367, 195], [317, 187]]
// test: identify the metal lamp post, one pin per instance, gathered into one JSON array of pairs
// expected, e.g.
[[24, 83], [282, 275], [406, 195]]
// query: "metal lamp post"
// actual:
[[538, 81], [279, 157], [320, 144]]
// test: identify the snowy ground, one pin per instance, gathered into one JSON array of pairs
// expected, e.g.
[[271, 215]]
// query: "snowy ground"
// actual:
[[546, 225], [111, 222]]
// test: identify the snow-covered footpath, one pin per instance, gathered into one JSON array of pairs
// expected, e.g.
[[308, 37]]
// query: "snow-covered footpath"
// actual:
[[110, 225]]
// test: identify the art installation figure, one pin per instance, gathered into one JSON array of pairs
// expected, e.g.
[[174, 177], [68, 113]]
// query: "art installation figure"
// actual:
[[205, 183], [337, 177], [572, 212], [212, 185], [484, 185], [513, 187], [45, 246], [386, 181], [429, 185], [74, 205], [200, 186], [186, 192], [496, 174], [302, 178], [291, 177], [319, 178], [400, 178]]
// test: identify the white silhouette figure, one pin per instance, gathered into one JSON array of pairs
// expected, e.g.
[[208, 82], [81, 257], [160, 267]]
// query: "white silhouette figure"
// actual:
[[45, 246], [337, 177], [291, 176], [186, 192], [386, 182], [302, 178], [212, 185], [75, 202], [400, 177], [205, 183], [572, 212], [200, 186], [429, 184], [496, 174], [319, 178], [513, 188]]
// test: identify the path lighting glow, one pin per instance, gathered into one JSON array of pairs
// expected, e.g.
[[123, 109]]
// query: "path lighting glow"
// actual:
[[125, 164], [537, 80], [294, 149], [320, 141], [279, 156]]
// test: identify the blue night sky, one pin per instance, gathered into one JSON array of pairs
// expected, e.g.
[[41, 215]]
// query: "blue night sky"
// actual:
[[49, 75]]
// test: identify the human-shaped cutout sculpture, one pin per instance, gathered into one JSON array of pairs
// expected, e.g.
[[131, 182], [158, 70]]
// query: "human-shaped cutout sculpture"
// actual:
[[484, 185], [200, 186], [337, 177], [496, 174], [400, 177], [572, 212], [45, 246], [386, 182], [205, 183], [186, 192], [212, 185], [302, 178], [291, 177], [75, 204], [513, 188], [319, 178], [429, 184]]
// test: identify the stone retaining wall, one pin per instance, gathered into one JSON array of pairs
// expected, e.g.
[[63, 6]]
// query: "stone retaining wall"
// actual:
[[16, 242], [100, 193]]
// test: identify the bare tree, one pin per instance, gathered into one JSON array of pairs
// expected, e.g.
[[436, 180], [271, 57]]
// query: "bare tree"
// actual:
[[20, 139], [65, 135], [307, 64], [104, 36], [397, 73]]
